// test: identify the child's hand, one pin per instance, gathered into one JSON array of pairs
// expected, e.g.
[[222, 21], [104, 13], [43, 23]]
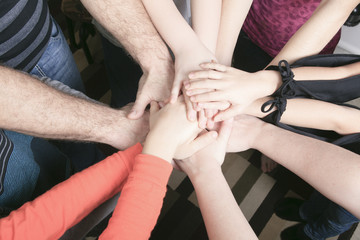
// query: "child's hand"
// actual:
[[224, 88], [170, 129], [211, 155]]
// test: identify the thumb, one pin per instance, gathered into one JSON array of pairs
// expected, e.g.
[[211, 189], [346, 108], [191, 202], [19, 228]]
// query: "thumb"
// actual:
[[154, 107], [225, 130], [203, 141], [227, 114], [139, 107], [175, 89]]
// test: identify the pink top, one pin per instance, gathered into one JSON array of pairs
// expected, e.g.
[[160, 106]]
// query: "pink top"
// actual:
[[142, 177], [271, 23]]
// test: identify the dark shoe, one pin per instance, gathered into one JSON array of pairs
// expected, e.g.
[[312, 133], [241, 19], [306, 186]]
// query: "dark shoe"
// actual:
[[288, 209], [295, 232]]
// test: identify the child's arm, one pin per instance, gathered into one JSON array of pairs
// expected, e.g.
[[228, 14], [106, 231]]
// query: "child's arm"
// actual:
[[51, 214], [189, 51], [241, 88], [233, 14], [310, 39], [330, 169], [222, 215], [206, 23], [315, 114]]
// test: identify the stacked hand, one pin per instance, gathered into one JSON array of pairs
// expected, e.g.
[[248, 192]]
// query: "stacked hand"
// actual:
[[223, 88]]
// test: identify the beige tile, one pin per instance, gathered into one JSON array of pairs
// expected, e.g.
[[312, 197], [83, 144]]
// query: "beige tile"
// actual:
[[256, 195]]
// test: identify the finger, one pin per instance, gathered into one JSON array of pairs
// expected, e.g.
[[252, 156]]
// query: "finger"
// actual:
[[204, 84], [198, 91], [214, 96], [190, 112], [227, 114], [205, 74], [154, 107], [214, 105], [139, 107], [202, 141], [225, 129], [215, 66], [202, 119], [175, 90]]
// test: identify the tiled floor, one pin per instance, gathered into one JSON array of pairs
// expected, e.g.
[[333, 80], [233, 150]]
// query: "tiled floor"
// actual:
[[252, 188]]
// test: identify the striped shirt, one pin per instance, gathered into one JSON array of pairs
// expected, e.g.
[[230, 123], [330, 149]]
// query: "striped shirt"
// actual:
[[6, 147], [25, 28]]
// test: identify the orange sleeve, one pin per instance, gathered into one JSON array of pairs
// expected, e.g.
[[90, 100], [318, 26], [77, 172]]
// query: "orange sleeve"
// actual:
[[51, 214], [140, 201]]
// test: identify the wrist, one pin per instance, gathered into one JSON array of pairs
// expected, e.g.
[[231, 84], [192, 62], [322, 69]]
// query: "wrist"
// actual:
[[270, 81], [159, 147], [198, 175]]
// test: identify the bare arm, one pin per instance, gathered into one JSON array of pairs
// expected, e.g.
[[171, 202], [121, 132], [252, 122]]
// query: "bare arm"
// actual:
[[130, 24], [313, 36], [205, 19], [316, 114], [222, 215], [332, 170], [233, 14], [31, 107]]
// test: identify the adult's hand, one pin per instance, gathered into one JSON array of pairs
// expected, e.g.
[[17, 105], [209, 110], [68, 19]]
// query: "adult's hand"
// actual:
[[154, 85]]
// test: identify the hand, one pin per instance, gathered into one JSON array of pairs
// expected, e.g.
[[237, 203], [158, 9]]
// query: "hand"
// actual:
[[130, 131], [154, 85], [224, 88], [210, 156], [170, 130], [244, 133], [186, 61]]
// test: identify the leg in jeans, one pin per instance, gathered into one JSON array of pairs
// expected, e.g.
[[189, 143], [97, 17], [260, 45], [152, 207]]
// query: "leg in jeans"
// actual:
[[325, 218], [58, 63]]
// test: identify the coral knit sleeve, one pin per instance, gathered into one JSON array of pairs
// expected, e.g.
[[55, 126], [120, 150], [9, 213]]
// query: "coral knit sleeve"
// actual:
[[51, 214], [140, 201]]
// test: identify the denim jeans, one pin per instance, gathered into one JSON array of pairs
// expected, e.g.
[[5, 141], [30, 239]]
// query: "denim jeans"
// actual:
[[324, 218], [36, 164]]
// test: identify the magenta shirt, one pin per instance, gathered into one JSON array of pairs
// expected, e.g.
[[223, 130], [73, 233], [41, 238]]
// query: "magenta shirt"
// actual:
[[271, 23]]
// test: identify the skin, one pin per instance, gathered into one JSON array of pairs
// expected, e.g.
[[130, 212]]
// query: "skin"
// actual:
[[130, 24], [332, 170], [76, 119]]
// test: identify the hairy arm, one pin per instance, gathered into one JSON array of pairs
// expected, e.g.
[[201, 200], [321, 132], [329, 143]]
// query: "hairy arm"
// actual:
[[129, 23], [332, 170], [31, 107], [310, 39]]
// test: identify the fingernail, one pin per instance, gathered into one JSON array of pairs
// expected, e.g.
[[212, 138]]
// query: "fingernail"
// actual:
[[191, 75], [214, 134]]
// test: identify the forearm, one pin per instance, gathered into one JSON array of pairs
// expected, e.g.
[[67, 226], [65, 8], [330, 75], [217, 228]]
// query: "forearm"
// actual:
[[31, 107], [221, 213], [315, 114], [330, 169], [310, 39], [206, 23], [233, 14], [171, 25], [131, 26]]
